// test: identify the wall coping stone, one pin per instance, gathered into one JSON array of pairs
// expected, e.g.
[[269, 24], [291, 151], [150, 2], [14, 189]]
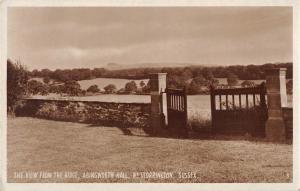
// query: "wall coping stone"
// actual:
[[86, 101]]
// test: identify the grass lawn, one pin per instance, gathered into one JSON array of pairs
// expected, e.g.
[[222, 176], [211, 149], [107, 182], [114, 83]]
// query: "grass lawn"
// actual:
[[37, 146]]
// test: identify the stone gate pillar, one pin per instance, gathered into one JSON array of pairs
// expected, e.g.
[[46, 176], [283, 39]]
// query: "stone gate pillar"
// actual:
[[158, 83], [277, 98]]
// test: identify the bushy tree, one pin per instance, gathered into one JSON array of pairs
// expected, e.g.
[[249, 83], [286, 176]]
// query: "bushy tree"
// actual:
[[198, 85], [72, 88], [142, 84], [17, 78], [214, 82], [46, 79], [55, 89], [248, 83], [130, 86], [36, 87], [175, 81], [111, 88], [207, 74], [232, 79], [93, 89]]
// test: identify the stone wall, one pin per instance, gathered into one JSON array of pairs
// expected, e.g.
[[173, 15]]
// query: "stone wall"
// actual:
[[287, 113], [101, 113]]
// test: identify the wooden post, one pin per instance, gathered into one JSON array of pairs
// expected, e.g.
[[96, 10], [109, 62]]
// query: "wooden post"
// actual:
[[213, 107], [185, 111], [262, 95]]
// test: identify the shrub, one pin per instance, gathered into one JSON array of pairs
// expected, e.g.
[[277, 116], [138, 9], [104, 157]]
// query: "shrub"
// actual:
[[111, 88], [93, 89], [131, 86], [36, 87], [46, 79], [248, 83], [72, 88]]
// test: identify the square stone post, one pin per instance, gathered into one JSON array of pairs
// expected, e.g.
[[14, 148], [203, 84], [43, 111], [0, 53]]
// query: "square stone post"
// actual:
[[283, 94], [158, 83], [277, 98]]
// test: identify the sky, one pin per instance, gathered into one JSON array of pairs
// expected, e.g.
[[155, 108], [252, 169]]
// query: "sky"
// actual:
[[92, 37]]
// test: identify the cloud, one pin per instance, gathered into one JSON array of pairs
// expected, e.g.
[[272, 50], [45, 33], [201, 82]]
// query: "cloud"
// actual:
[[93, 37]]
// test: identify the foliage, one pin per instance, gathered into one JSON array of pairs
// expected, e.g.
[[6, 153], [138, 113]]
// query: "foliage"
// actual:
[[142, 84], [93, 89], [111, 88], [46, 79], [72, 88], [250, 72], [178, 77], [36, 87], [109, 114], [248, 83], [17, 78], [232, 79], [58, 89], [130, 86], [198, 85]]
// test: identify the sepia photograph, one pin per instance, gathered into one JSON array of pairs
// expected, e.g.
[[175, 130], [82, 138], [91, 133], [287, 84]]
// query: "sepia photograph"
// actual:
[[149, 94]]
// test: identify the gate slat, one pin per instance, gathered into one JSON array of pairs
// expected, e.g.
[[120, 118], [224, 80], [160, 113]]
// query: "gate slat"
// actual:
[[247, 103], [233, 104], [220, 99], [177, 110], [240, 101], [226, 102]]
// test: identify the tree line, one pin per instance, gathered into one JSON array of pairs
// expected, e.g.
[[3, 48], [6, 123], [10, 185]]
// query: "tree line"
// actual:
[[250, 72], [197, 80]]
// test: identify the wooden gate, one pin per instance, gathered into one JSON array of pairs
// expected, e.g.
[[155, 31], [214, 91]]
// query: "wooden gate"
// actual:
[[239, 110], [177, 111]]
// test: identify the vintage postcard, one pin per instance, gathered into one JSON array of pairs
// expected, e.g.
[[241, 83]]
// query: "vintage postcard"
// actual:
[[196, 93]]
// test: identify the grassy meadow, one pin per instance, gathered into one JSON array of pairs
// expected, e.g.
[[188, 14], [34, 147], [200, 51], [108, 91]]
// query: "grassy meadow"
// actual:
[[51, 146]]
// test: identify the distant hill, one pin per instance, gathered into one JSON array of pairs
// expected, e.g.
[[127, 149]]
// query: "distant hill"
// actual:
[[116, 66]]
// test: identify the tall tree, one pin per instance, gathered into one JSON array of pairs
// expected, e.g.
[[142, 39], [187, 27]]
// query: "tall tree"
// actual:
[[17, 78]]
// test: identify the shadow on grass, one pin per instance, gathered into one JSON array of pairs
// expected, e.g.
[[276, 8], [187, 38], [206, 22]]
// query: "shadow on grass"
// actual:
[[198, 135]]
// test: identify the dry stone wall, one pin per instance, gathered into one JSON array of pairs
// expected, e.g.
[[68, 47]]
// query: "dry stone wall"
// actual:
[[100, 113]]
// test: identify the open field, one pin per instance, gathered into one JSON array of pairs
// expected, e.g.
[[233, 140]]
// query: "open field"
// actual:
[[36, 145], [102, 82]]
